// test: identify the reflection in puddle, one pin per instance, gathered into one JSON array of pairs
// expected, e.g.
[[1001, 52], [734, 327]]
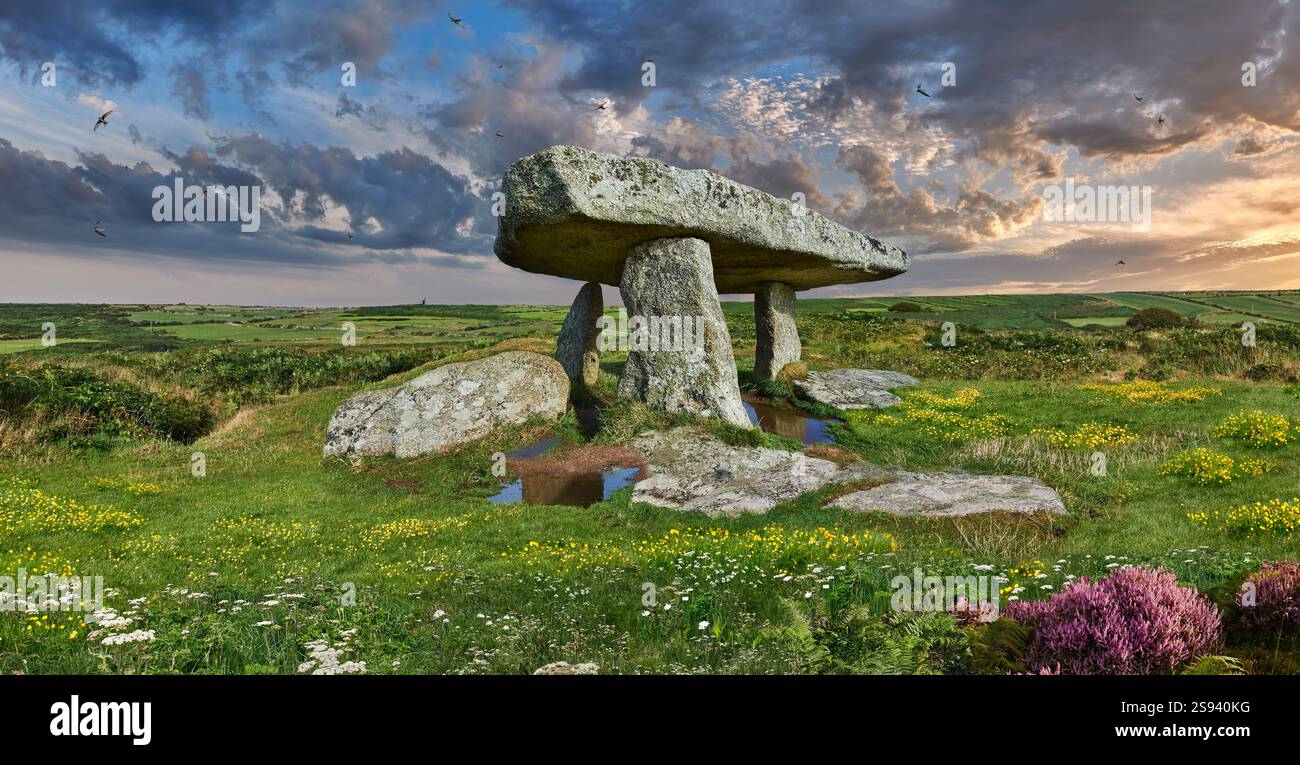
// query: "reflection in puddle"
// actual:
[[533, 450], [580, 490], [588, 421], [788, 423]]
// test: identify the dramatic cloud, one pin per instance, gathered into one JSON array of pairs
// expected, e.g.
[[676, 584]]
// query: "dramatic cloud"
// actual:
[[1198, 101]]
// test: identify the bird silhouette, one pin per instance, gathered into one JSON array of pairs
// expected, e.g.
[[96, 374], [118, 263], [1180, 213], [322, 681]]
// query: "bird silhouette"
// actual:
[[100, 229], [1160, 120], [600, 107], [1120, 262], [1139, 98], [455, 20], [501, 66], [349, 236], [499, 135], [103, 120], [921, 90]]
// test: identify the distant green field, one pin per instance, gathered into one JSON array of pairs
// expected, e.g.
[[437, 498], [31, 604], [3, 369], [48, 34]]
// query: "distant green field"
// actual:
[[242, 332], [1260, 306], [1226, 317], [191, 314], [1104, 321], [1140, 300], [14, 346]]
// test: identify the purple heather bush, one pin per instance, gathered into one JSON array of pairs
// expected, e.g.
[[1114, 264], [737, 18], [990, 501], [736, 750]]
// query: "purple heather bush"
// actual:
[[1135, 621], [1272, 604]]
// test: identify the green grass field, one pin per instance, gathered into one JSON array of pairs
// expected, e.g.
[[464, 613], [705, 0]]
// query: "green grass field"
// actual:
[[406, 565]]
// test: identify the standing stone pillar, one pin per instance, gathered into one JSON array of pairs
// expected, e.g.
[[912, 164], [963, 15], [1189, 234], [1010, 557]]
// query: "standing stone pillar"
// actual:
[[576, 347], [669, 283], [775, 330]]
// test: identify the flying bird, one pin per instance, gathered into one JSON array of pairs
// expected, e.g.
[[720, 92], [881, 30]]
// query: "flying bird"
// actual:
[[1160, 120], [921, 90], [349, 236], [103, 120], [455, 20], [1120, 262], [501, 66], [600, 107], [1135, 95], [100, 229], [499, 135]]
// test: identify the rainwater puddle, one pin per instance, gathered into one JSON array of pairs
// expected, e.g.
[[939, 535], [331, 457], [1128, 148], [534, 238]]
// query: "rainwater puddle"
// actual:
[[788, 422]]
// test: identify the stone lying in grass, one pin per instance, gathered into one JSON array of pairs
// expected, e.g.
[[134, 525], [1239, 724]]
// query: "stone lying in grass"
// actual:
[[954, 493], [692, 470], [853, 388], [449, 406]]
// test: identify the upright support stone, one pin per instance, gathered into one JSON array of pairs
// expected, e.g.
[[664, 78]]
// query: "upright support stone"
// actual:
[[576, 348], [667, 285], [774, 327]]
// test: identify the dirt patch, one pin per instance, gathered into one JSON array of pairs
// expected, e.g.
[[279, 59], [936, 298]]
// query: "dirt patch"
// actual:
[[584, 459], [239, 420], [410, 484], [534, 344], [837, 454], [844, 489]]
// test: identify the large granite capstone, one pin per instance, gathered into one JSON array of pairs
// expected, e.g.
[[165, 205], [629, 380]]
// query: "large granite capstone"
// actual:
[[576, 213]]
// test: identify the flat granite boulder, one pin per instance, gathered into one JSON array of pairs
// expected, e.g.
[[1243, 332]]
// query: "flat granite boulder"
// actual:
[[854, 388], [449, 406], [576, 213], [954, 493], [692, 470]]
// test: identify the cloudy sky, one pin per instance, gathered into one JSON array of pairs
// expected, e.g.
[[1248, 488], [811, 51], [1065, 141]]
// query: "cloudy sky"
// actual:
[[381, 192]]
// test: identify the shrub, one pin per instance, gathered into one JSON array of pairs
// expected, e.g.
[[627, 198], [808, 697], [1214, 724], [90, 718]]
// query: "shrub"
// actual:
[[1265, 372], [1269, 601], [1155, 318], [1147, 391], [1204, 467], [1215, 665], [1092, 435], [998, 648], [1257, 428], [823, 639], [906, 306], [1273, 517], [795, 370], [257, 375], [1135, 621], [82, 405]]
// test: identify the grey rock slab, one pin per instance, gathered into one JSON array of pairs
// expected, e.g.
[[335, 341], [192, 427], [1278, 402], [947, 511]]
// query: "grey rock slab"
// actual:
[[448, 406], [692, 470], [854, 388], [777, 336], [576, 213], [954, 494], [667, 281], [576, 347]]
